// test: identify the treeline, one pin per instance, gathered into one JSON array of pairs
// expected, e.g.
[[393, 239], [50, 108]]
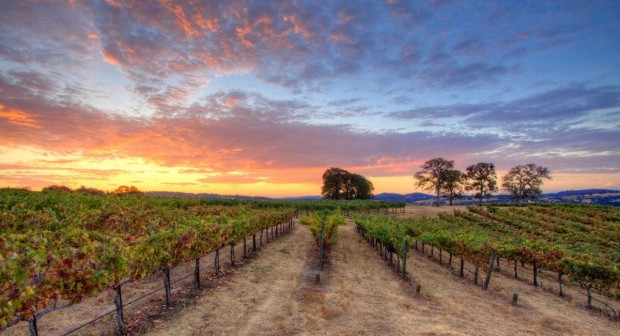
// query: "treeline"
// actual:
[[438, 175]]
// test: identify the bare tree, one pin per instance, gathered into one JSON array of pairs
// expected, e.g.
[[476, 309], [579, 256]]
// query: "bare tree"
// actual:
[[523, 182], [482, 179], [433, 176]]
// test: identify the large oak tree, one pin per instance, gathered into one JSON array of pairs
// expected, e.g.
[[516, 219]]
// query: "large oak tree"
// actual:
[[454, 184], [482, 179], [340, 184], [523, 182], [433, 175]]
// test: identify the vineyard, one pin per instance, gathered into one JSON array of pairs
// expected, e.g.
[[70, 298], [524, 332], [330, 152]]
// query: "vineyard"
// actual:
[[581, 243], [56, 249]]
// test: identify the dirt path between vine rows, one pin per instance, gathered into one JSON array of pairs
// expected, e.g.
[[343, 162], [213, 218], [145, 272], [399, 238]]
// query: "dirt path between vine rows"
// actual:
[[276, 294]]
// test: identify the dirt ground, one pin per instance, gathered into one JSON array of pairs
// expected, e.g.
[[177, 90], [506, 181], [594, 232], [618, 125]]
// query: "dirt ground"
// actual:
[[277, 294], [141, 313]]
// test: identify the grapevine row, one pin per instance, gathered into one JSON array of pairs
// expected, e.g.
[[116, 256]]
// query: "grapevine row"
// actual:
[[587, 253], [67, 252]]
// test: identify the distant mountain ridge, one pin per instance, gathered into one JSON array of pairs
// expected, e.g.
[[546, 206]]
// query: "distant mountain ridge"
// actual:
[[205, 195], [585, 196]]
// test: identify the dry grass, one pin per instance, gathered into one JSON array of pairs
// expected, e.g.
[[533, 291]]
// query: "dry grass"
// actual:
[[358, 295]]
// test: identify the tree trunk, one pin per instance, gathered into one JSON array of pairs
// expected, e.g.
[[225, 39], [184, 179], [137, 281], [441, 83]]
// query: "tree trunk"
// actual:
[[481, 193], [498, 264], [254, 243], [560, 282], [450, 260], [535, 275], [437, 198], [589, 290], [462, 273], [245, 248], [476, 268]]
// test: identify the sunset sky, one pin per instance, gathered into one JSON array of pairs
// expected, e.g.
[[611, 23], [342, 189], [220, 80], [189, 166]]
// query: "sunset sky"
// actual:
[[261, 97]]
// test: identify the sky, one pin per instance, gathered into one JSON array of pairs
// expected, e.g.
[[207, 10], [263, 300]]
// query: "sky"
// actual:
[[261, 97]]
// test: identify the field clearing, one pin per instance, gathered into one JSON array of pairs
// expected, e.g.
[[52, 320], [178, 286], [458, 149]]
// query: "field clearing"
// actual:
[[359, 295]]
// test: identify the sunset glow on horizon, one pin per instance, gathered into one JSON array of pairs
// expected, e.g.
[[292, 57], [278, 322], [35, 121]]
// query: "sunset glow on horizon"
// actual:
[[260, 98]]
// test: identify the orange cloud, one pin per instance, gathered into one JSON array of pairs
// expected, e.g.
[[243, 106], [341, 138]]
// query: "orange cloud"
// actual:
[[17, 117], [181, 20], [299, 26], [110, 58], [242, 32], [211, 24]]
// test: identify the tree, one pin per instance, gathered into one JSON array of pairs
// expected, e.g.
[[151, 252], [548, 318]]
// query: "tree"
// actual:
[[341, 184], [91, 191], [432, 177], [454, 184], [125, 190], [59, 188], [523, 182], [482, 179]]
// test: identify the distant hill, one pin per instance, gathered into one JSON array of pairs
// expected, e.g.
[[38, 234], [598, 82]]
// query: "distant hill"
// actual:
[[300, 198], [586, 196], [407, 198], [584, 192], [205, 195]]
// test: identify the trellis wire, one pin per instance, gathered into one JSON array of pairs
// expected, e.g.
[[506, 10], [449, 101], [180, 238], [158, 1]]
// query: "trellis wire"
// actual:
[[134, 300]]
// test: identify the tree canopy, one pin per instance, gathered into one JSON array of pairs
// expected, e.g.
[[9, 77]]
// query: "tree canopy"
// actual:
[[59, 188], [433, 175], [454, 183], [524, 181], [482, 179], [125, 190], [340, 184]]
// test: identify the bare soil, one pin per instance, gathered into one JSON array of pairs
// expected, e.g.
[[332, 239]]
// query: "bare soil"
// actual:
[[358, 294], [146, 311]]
